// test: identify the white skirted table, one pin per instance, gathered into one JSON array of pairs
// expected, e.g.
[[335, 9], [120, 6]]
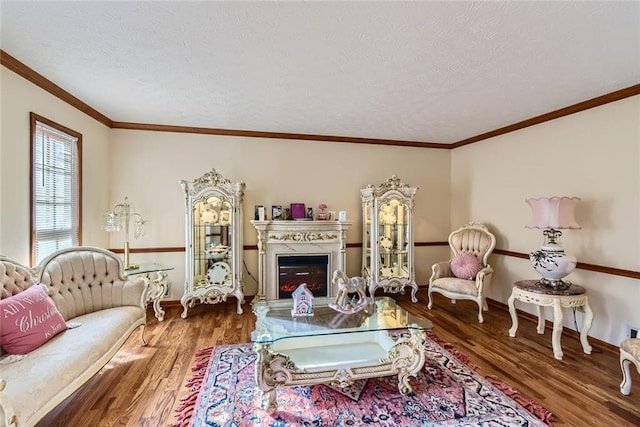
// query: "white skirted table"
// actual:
[[532, 291]]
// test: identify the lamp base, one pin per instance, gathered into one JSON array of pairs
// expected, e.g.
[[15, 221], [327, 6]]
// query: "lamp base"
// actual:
[[553, 264], [557, 284]]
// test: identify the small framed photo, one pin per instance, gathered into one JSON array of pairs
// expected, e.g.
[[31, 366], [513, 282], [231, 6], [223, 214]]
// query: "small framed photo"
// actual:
[[258, 214], [298, 211], [309, 213], [287, 214], [276, 212], [342, 215], [332, 215]]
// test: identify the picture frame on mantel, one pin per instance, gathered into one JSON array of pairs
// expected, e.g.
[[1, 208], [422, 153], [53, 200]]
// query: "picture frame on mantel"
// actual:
[[298, 211], [259, 214], [277, 213]]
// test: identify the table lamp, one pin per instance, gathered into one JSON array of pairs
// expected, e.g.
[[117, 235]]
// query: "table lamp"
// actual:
[[120, 216], [553, 214]]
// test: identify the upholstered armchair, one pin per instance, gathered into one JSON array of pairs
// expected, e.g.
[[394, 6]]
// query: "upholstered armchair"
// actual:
[[467, 275], [629, 353]]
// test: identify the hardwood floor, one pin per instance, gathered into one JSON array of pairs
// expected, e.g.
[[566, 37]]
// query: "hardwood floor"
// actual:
[[141, 386]]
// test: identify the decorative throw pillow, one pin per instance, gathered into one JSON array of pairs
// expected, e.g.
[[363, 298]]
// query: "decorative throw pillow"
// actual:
[[29, 319], [465, 266]]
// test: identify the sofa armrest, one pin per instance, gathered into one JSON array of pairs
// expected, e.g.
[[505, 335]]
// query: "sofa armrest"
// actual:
[[7, 414], [134, 292], [440, 269]]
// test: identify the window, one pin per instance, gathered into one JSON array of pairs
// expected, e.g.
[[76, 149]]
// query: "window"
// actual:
[[56, 184]]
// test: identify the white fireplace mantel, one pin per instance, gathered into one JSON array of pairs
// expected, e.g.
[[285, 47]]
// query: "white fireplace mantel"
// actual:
[[297, 238]]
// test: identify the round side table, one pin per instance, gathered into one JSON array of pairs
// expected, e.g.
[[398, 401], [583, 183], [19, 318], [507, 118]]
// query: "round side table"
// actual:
[[532, 291]]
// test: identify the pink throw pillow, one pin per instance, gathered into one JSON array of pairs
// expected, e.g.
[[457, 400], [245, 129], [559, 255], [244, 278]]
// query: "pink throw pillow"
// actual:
[[465, 266], [29, 319]]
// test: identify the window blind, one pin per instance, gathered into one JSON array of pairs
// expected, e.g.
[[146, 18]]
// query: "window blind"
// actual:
[[55, 191]]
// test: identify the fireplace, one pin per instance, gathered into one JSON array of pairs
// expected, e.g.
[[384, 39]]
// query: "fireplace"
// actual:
[[294, 270], [300, 245]]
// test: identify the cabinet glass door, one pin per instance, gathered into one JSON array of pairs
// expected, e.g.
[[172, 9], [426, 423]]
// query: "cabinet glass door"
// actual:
[[367, 237], [393, 239], [212, 241]]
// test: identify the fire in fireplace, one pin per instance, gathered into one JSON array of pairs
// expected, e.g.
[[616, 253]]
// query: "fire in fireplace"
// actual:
[[294, 270]]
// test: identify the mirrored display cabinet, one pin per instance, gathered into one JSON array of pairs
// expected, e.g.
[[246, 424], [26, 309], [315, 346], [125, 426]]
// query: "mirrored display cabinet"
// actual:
[[387, 228], [213, 240]]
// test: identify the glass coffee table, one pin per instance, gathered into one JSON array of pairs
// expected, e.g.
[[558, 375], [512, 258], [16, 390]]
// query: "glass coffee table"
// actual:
[[335, 348]]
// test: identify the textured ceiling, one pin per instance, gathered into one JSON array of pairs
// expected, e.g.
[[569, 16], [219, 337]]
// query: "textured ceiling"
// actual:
[[413, 71]]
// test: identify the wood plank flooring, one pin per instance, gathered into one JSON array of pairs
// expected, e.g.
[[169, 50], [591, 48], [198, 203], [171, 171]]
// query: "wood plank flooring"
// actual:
[[141, 386]]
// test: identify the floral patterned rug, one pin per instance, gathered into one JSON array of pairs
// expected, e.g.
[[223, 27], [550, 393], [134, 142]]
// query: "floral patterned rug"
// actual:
[[447, 392]]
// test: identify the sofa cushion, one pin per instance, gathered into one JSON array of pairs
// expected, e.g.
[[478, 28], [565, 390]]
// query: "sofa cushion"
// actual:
[[29, 319], [465, 266]]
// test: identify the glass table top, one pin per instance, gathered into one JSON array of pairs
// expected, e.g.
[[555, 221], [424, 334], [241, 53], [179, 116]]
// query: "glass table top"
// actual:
[[146, 267], [274, 320]]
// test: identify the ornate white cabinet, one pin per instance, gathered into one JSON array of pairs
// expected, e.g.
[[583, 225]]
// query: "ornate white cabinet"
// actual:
[[214, 240], [387, 228]]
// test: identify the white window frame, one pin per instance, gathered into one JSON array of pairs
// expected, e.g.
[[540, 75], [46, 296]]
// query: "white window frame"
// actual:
[[56, 188]]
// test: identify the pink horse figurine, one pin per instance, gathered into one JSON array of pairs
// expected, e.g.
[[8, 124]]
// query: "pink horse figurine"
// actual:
[[352, 295]]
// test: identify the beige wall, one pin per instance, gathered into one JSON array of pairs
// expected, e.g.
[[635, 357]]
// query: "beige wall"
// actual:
[[18, 99], [594, 155], [147, 167]]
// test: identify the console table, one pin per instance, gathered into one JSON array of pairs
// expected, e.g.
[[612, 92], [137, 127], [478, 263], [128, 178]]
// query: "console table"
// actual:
[[542, 295], [155, 275], [332, 347]]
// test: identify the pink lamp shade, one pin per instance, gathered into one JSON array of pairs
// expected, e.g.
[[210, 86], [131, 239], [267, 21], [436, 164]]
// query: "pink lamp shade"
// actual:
[[553, 212]]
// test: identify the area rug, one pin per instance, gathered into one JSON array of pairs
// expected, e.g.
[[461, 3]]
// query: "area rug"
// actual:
[[447, 392]]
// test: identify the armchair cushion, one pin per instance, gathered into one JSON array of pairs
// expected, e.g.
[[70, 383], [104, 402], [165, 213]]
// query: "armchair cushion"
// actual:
[[465, 266], [632, 346], [29, 319], [455, 285]]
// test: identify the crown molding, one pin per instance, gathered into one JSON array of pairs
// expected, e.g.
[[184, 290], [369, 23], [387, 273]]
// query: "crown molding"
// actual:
[[39, 80], [571, 109], [276, 135]]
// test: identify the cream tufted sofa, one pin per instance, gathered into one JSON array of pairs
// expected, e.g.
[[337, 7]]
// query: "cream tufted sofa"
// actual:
[[89, 288]]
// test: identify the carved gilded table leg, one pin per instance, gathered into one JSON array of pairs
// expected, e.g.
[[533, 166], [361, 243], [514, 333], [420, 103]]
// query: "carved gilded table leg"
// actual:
[[588, 318], [272, 370], [557, 329], [408, 358], [541, 320], [156, 290], [513, 313]]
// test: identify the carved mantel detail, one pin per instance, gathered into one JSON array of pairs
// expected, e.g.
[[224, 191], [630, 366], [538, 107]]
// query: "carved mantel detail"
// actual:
[[303, 236]]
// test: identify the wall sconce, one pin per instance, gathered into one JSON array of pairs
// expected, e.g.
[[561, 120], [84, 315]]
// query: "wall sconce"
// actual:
[[120, 217], [553, 214]]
